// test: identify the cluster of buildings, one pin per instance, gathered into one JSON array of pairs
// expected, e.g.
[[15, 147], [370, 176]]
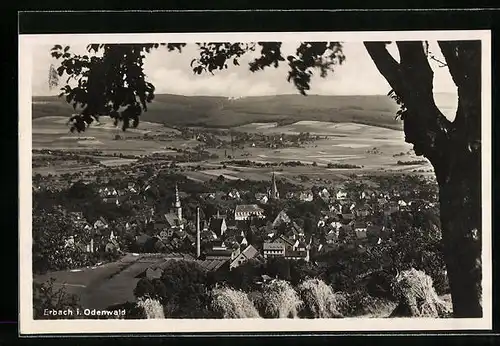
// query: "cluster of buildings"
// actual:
[[228, 241], [92, 237]]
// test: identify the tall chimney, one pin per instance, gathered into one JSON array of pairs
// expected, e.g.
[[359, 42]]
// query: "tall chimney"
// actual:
[[198, 231]]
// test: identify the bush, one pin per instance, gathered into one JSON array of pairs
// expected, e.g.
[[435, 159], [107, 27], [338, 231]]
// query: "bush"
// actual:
[[46, 298]]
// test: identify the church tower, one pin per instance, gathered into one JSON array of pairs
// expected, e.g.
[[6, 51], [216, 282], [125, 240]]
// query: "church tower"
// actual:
[[274, 194], [177, 204]]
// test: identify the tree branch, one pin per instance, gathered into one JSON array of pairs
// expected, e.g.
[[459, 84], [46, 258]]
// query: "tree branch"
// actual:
[[450, 53], [464, 63], [412, 80], [385, 63], [416, 71]]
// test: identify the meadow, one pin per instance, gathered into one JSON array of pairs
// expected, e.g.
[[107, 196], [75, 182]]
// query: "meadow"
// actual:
[[356, 129], [369, 147], [104, 285]]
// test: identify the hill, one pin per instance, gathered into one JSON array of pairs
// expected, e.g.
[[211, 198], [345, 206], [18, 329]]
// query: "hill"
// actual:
[[211, 111]]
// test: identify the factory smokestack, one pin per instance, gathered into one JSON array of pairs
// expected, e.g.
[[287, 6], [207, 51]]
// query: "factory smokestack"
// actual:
[[198, 231]]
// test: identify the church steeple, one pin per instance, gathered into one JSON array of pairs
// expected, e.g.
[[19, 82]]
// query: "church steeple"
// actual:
[[177, 204], [274, 189]]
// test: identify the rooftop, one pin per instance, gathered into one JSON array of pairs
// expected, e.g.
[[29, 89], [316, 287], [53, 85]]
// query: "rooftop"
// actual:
[[273, 246], [250, 251], [248, 208]]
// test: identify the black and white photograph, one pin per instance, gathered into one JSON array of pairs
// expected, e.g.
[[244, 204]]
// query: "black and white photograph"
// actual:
[[307, 181]]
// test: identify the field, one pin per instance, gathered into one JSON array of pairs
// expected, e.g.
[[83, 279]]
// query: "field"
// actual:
[[369, 147], [359, 130], [105, 285]]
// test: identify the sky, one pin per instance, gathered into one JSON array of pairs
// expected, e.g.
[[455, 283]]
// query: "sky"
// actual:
[[170, 72]]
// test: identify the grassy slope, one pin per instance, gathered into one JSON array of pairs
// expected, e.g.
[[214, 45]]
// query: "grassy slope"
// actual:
[[375, 110]]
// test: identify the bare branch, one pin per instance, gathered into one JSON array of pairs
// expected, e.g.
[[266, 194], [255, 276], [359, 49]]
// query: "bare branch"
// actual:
[[441, 63]]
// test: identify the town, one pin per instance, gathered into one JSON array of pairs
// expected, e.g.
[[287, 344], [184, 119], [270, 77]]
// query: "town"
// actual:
[[222, 225]]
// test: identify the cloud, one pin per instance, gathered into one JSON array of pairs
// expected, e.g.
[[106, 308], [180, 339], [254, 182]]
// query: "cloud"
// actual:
[[171, 72], [176, 81]]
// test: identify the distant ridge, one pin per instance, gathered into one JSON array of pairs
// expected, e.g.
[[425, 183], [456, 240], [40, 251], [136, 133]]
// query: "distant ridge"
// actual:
[[215, 111]]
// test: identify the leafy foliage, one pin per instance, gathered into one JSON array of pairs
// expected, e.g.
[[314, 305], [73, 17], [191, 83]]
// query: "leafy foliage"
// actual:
[[46, 298], [112, 83], [50, 232], [181, 290]]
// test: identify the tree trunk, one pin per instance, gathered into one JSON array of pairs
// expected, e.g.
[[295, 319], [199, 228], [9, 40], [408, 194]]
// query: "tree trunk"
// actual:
[[460, 224], [459, 179], [453, 148]]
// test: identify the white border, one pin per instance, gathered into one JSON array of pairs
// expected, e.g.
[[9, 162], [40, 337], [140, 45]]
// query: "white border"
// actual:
[[29, 326]]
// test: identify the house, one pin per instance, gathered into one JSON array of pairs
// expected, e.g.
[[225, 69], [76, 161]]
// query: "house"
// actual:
[[234, 194], [289, 243], [281, 218], [335, 225], [363, 211], [301, 246], [295, 230], [261, 198], [207, 235], [297, 255], [248, 211], [306, 196], [221, 253], [172, 221], [247, 254], [232, 225], [218, 245], [367, 194], [402, 203], [324, 194], [360, 228], [218, 226], [381, 201], [132, 188], [112, 245], [341, 195], [213, 265], [100, 223], [332, 236], [269, 232], [274, 249], [325, 248], [241, 239]]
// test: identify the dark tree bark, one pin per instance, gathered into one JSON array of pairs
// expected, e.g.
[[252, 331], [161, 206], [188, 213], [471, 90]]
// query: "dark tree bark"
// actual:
[[453, 148]]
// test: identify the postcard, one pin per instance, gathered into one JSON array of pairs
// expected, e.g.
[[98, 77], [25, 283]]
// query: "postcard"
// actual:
[[255, 182]]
